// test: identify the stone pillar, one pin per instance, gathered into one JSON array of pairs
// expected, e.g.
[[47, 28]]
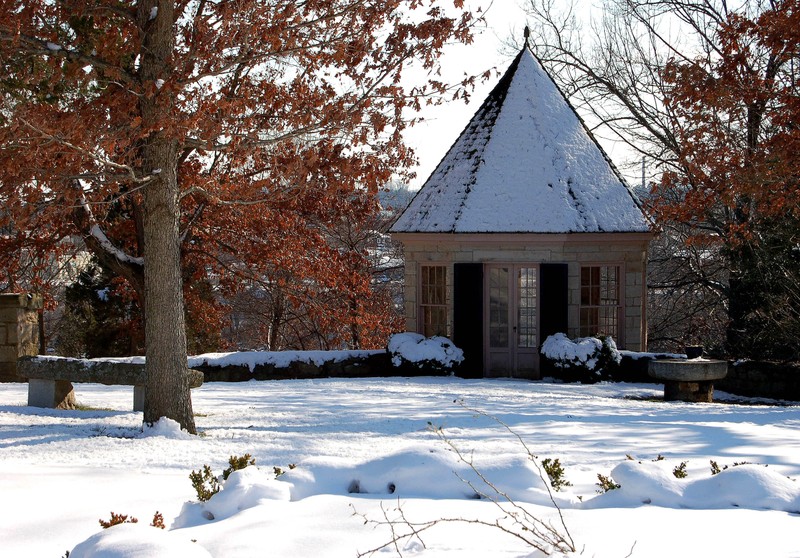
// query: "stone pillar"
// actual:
[[19, 332]]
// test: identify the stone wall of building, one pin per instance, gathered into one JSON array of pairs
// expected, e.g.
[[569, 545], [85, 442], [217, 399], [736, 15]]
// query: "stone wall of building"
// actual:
[[19, 331], [627, 251]]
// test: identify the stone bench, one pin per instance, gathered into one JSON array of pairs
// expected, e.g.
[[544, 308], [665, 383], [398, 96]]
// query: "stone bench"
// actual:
[[688, 379], [50, 379]]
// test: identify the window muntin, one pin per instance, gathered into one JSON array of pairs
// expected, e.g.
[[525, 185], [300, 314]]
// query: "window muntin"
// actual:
[[527, 312]]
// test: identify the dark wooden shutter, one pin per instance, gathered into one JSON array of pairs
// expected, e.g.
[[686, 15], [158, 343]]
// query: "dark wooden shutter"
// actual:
[[468, 316], [553, 299]]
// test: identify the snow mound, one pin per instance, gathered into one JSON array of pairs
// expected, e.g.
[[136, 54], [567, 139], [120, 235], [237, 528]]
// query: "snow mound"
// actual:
[[414, 473], [423, 473], [134, 540], [417, 349], [245, 489], [165, 428], [745, 486]]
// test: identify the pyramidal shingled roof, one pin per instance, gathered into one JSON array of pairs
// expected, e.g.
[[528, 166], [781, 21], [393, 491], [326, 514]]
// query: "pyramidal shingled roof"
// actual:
[[525, 163]]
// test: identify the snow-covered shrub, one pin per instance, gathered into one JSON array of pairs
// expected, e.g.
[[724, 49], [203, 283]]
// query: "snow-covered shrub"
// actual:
[[606, 483], [206, 484], [585, 354], [435, 354]]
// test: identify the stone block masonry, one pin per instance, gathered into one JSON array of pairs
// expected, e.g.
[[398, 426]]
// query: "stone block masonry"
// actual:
[[19, 332]]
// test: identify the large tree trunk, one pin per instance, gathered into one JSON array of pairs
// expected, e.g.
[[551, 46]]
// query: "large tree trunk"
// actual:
[[167, 390]]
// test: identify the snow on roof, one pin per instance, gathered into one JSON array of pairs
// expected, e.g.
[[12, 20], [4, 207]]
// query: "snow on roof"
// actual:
[[524, 163]]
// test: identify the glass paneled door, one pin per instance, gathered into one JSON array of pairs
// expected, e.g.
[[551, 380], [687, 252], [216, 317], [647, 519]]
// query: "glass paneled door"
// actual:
[[512, 333]]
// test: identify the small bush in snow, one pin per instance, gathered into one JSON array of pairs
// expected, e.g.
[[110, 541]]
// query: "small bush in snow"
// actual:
[[279, 471], [117, 519], [680, 471], [236, 463], [715, 469], [206, 484], [437, 354], [606, 483], [158, 521], [555, 473], [591, 354]]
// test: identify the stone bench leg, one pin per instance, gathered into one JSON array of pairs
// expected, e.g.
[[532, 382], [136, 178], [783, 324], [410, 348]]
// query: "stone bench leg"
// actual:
[[138, 398], [51, 394], [692, 392]]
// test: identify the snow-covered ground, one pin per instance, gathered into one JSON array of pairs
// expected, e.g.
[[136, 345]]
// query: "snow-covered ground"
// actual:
[[62, 471]]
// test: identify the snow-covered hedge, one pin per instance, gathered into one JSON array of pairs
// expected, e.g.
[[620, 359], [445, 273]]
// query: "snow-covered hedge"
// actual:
[[435, 353], [590, 353]]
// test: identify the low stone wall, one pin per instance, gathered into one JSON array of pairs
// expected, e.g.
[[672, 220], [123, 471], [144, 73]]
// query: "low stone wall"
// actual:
[[762, 379], [373, 365], [749, 379], [19, 332]]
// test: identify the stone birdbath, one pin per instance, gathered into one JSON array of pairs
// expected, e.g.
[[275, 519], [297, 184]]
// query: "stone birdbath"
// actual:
[[688, 379]]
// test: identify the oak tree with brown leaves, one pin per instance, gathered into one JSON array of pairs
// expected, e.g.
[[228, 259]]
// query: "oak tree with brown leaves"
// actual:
[[202, 140], [736, 185], [706, 94]]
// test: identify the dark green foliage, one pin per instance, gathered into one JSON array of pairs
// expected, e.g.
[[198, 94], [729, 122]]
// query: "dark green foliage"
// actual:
[[764, 307], [204, 483], [555, 472], [102, 318], [98, 321], [680, 471], [606, 483]]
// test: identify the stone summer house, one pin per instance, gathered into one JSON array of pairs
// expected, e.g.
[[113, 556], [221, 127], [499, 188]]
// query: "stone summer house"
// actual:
[[524, 229]]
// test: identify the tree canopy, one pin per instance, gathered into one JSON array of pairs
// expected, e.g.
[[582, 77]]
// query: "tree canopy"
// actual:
[[207, 142], [738, 178]]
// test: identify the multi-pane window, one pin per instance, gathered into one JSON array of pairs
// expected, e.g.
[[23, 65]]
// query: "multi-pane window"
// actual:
[[433, 300], [600, 300]]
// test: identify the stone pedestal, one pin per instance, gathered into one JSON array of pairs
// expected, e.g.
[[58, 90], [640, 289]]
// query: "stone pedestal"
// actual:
[[19, 332], [51, 394], [688, 379]]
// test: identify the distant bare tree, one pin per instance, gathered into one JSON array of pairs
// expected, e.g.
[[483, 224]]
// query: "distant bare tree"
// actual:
[[612, 66]]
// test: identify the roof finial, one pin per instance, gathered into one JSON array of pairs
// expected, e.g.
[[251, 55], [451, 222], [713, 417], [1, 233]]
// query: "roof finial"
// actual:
[[527, 33]]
